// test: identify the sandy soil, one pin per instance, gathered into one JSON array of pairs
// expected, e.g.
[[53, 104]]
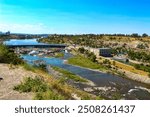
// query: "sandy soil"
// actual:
[[12, 77]]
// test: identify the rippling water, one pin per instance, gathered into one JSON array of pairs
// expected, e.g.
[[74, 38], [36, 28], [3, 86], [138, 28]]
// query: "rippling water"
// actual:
[[131, 89]]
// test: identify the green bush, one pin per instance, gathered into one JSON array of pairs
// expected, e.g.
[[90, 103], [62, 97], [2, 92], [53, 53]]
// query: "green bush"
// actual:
[[149, 75], [41, 67], [89, 55], [142, 67], [116, 96], [49, 95], [41, 89], [81, 50], [28, 67], [32, 85], [7, 56]]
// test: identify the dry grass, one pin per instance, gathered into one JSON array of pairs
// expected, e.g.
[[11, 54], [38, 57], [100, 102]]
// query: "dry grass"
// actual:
[[130, 68], [126, 67], [14, 76], [64, 88]]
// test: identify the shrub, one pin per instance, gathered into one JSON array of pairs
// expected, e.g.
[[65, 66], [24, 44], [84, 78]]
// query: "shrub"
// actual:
[[28, 67], [149, 75], [81, 50], [42, 67], [49, 95], [7, 56], [32, 85], [42, 90]]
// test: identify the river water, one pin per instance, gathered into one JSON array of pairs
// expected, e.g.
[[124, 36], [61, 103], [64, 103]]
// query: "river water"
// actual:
[[126, 88]]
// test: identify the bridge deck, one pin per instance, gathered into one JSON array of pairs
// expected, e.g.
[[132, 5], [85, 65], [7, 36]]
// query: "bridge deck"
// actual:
[[38, 46]]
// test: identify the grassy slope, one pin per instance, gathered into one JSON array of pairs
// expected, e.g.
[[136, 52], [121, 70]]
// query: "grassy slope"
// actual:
[[69, 75], [63, 90], [84, 62], [126, 67], [131, 69], [59, 55]]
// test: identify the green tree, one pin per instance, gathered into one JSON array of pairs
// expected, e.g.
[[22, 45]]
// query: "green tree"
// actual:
[[145, 35], [6, 56], [149, 75], [81, 50], [135, 35]]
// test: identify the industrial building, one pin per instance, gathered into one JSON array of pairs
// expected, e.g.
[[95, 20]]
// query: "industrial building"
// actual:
[[105, 52]]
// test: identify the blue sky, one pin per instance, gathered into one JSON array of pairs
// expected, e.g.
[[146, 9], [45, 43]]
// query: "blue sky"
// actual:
[[75, 16]]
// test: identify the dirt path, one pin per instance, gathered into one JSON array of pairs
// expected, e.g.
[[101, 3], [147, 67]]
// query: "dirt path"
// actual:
[[12, 77]]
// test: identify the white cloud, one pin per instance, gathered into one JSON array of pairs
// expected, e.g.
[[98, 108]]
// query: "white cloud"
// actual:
[[25, 28]]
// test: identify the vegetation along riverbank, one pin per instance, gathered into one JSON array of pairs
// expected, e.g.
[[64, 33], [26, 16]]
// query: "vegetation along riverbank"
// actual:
[[22, 81]]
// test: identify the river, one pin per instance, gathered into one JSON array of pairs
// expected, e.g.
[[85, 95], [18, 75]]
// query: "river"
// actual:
[[128, 89]]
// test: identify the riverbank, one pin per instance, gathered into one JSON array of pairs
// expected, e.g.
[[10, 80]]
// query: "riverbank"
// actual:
[[86, 63], [135, 77], [107, 85], [14, 76], [128, 71], [119, 70], [70, 78]]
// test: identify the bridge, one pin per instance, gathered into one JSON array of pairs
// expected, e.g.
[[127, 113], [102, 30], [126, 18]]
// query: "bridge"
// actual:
[[37, 46]]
